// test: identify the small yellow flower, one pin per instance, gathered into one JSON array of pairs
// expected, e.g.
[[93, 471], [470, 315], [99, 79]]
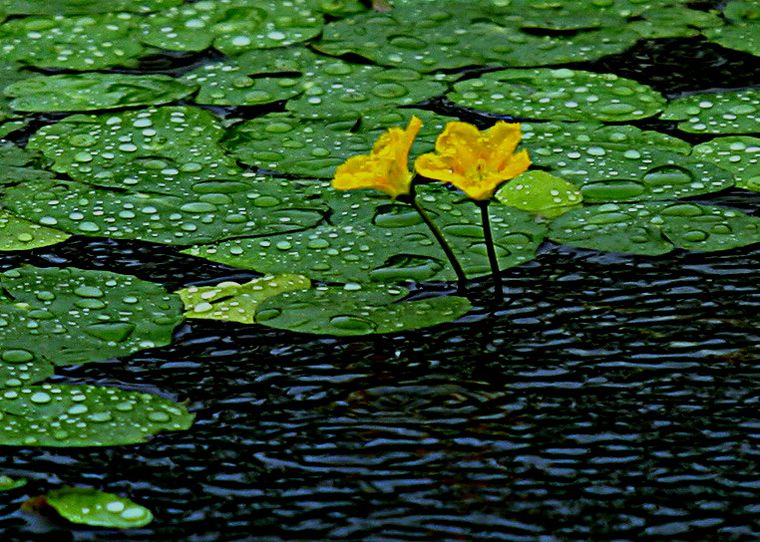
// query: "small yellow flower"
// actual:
[[386, 168], [475, 162]]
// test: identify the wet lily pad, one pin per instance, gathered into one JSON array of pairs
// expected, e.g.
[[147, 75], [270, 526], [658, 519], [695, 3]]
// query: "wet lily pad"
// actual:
[[94, 91], [211, 211], [558, 94], [286, 144], [743, 31], [655, 228], [232, 26], [18, 164], [738, 154], [568, 14], [622, 163], [83, 7], [61, 415], [370, 239], [10, 127], [7, 483], [81, 315], [75, 43], [539, 192], [348, 311], [674, 21], [9, 74], [164, 150], [237, 302], [725, 112], [19, 366], [87, 506], [19, 234]]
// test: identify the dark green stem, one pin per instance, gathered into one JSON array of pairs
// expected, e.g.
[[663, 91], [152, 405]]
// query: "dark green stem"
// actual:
[[488, 235], [461, 277]]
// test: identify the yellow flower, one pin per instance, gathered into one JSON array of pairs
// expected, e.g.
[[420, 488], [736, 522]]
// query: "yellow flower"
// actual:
[[386, 168], [475, 162]]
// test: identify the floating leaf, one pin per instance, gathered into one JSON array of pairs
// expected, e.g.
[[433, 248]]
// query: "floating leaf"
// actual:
[[654, 228], [237, 302], [165, 150], [232, 26], [558, 94], [88, 506], [74, 43], [10, 127], [674, 21], [61, 415], [18, 164], [338, 8], [567, 14], [19, 234], [743, 32], [347, 311], [83, 7], [94, 91], [19, 366], [7, 483], [369, 239], [70, 316], [539, 192], [725, 112], [283, 143], [738, 154], [212, 211], [621, 163], [9, 74]]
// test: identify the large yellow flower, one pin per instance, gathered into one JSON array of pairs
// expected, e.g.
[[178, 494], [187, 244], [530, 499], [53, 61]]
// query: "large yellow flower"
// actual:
[[475, 162], [386, 168]]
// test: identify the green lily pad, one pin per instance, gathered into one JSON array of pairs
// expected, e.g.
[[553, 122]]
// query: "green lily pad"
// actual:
[[11, 126], [725, 112], [738, 154], [283, 143], [7, 483], [540, 192], [94, 91], [9, 74], [68, 316], [237, 302], [213, 211], [655, 228], [348, 311], [19, 234], [19, 366], [370, 239], [18, 164], [80, 43], [87, 506], [558, 94], [743, 32], [674, 21], [232, 26], [164, 150], [338, 8], [430, 38], [62, 415], [83, 7], [622, 163]]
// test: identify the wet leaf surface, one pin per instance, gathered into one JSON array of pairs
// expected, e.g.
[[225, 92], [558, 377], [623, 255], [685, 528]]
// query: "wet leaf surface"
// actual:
[[87, 506], [725, 112], [738, 154]]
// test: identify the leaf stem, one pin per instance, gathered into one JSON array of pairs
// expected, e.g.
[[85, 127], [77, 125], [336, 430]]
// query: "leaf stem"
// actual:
[[461, 277], [488, 235]]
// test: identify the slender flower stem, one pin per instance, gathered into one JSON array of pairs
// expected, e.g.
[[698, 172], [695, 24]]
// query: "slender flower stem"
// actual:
[[488, 235], [461, 277]]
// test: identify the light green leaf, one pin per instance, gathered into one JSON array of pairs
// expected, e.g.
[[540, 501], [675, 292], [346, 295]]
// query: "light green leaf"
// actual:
[[725, 112], [83, 7], [738, 154], [19, 234], [62, 416], [539, 192], [346, 311], [94, 91], [237, 302], [7, 483], [87, 506], [674, 21], [558, 94]]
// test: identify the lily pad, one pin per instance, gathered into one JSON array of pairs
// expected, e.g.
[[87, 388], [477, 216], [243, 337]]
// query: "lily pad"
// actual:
[[743, 32], [9, 74], [74, 43], [19, 366], [236, 302], [655, 228], [83, 7], [283, 143], [19, 234], [622, 163], [370, 239], [62, 415], [94, 91], [11, 126], [212, 211], [87, 506], [558, 94], [164, 150], [7, 483], [232, 26], [738, 154], [81, 315], [725, 112], [674, 21], [18, 164], [369, 310], [540, 192]]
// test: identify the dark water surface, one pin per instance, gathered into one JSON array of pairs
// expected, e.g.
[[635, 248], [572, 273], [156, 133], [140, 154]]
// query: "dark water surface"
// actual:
[[611, 398]]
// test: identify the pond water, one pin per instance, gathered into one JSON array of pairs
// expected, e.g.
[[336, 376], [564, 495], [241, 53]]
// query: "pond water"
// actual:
[[610, 397]]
